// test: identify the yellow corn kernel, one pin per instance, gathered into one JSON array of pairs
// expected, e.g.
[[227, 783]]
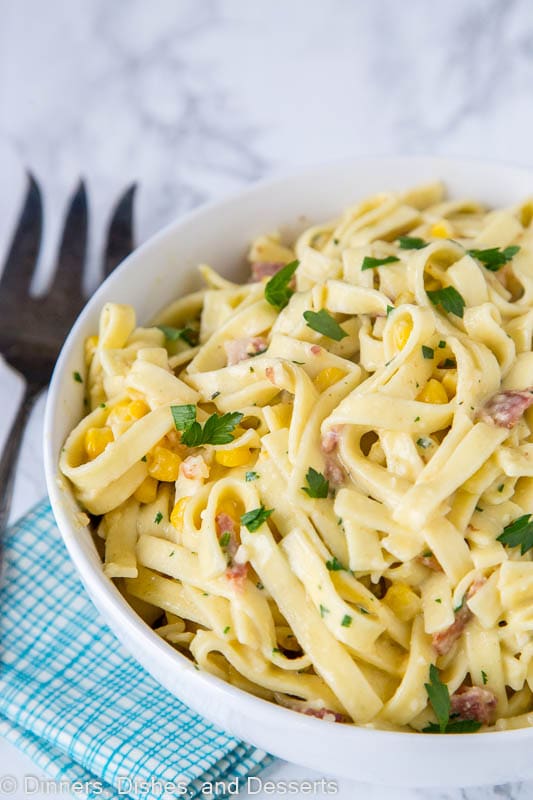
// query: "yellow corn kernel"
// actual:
[[176, 517], [401, 599], [147, 491], [401, 333], [91, 343], [163, 464], [450, 382], [327, 377], [232, 458], [441, 230], [137, 409], [433, 392], [119, 413], [96, 441]]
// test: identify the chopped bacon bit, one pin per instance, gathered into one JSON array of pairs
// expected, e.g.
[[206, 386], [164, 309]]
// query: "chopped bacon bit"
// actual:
[[316, 349], [506, 408], [304, 708], [443, 641], [194, 468], [474, 702], [430, 562], [240, 349], [264, 269], [325, 713], [333, 471], [237, 573], [269, 373], [330, 440]]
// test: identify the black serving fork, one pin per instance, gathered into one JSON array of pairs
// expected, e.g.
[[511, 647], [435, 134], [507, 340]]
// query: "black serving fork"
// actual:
[[33, 329]]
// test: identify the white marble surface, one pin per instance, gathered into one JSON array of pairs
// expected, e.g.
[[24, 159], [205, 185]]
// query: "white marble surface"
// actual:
[[194, 99]]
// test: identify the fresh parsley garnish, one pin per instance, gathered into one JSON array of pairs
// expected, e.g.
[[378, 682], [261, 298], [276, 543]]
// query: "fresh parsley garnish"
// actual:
[[226, 629], [322, 322], [442, 344], [334, 565], [493, 258], [255, 518], [217, 429], [370, 263], [518, 534], [439, 698], [188, 335], [428, 352], [224, 539], [411, 243], [449, 300], [389, 309], [158, 517], [251, 476], [77, 377], [323, 611], [484, 677], [317, 485], [424, 443], [277, 290], [346, 621], [448, 363]]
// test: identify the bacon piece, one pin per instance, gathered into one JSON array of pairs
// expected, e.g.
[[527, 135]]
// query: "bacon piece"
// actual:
[[444, 640], [430, 562], [264, 269], [325, 713], [241, 349], [315, 349], [506, 408], [237, 573], [333, 471], [330, 440], [474, 702], [269, 374], [194, 468], [303, 708]]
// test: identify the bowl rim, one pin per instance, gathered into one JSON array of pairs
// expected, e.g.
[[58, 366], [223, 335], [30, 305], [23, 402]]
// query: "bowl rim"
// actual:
[[96, 581]]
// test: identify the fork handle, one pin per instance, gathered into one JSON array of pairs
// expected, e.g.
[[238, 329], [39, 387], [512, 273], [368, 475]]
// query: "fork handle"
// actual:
[[11, 451]]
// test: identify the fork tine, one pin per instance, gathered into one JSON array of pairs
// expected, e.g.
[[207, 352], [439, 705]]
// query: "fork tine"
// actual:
[[120, 235], [68, 279], [22, 255]]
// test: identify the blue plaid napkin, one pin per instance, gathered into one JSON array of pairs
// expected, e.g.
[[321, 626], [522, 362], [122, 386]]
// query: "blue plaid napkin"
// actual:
[[78, 704]]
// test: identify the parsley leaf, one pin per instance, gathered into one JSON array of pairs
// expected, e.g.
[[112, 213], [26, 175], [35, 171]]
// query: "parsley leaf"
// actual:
[[183, 416], [158, 517], [389, 309], [188, 335], [484, 677], [277, 291], [346, 621], [322, 322], [518, 534], [449, 299], [428, 352], [77, 377], [493, 258], [255, 518], [439, 697], [224, 539], [411, 243], [334, 565], [323, 611], [317, 486], [218, 429], [370, 263], [251, 476]]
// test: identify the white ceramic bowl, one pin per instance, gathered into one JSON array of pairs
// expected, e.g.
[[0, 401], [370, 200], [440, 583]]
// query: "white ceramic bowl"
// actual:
[[151, 277]]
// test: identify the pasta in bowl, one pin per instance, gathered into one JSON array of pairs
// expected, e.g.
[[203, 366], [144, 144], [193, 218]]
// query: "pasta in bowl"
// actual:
[[315, 484]]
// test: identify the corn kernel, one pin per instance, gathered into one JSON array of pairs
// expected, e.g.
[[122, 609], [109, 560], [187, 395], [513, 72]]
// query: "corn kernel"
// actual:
[[433, 392], [163, 464], [450, 382], [401, 333], [147, 491], [441, 230], [91, 343], [96, 441], [327, 377], [401, 599], [176, 517], [233, 458], [119, 413], [137, 409]]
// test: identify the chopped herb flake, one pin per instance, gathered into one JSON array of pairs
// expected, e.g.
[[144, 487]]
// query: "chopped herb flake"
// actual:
[[493, 258], [389, 309], [411, 243], [144, 458], [188, 335], [77, 377], [317, 485], [424, 443], [224, 539], [334, 565], [277, 290], [251, 476], [323, 610], [322, 322], [370, 263], [449, 300], [484, 677], [518, 534], [448, 363], [227, 629], [158, 517], [346, 621], [252, 520], [417, 419], [442, 344], [500, 487], [428, 352]]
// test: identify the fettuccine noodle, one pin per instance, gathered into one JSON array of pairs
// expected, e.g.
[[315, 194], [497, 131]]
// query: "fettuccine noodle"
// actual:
[[317, 484]]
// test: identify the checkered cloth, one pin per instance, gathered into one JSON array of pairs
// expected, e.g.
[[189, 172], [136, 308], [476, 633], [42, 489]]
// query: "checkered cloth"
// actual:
[[80, 706]]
